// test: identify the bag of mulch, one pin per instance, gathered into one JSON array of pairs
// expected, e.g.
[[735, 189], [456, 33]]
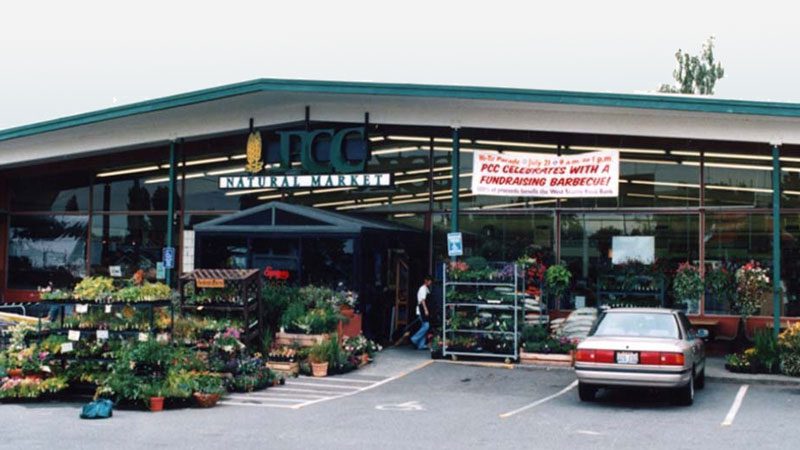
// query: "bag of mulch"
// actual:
[[98, 409]]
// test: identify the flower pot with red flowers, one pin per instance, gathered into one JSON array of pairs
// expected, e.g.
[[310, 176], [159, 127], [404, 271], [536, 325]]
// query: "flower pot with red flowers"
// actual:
[[14, 373]]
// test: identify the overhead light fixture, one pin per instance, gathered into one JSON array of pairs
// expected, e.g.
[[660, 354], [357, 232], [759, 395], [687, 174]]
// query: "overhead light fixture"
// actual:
[[516, 144], [435, 169], [644, 151], [242, 156], [128, 171], [270, 197], [198, 162], [409, 138], [343, 202], [647, 161], [226, 171], [248, 191], [324, 191], [399, 216], [728, 166], [376, 138], [685, 153], [388, 151]]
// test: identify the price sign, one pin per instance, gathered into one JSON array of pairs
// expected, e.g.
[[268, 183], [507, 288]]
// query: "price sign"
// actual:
[[143, 337], [115, 271], [217, 283], [74, 335], [66, 347], [162, 337], [81, 309], [108, 309], [102, 335]]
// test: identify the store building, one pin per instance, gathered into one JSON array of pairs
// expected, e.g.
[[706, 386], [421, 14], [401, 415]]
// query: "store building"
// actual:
[[715, 182]]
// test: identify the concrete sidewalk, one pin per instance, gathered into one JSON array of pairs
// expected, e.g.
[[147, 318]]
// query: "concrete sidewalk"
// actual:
[[715, 371]]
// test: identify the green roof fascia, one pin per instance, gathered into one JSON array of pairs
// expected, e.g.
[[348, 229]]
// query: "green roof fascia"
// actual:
[[636, 101]]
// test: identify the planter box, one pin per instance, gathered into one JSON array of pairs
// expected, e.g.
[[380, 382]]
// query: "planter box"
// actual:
[[546, 359], [302, 340], [287, 369]]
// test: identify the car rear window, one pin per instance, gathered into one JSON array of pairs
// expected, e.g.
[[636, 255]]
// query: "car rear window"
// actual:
[[638, 325]]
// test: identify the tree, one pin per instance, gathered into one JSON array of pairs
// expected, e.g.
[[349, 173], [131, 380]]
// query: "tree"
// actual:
[[695, 74]]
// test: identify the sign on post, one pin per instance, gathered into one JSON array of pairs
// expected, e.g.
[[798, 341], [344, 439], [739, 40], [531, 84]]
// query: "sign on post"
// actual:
[[161, 272], [168, 257], [455, 245]]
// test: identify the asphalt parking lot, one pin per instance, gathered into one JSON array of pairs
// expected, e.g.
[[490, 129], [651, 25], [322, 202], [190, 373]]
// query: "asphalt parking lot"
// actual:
[[440, 404]]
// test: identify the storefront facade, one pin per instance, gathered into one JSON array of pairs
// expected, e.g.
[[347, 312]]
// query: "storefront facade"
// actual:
[[716, 183]]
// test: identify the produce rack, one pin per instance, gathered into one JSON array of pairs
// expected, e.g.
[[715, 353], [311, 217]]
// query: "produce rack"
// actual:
[[226, 292], [481, 313]]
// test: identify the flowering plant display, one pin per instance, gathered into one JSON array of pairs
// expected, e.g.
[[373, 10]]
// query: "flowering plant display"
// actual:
[[752, 283], [359, 345], [29, 387], [688, 286]]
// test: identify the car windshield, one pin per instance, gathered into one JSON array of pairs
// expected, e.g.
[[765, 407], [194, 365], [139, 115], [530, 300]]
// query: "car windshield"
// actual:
[[638, 325]]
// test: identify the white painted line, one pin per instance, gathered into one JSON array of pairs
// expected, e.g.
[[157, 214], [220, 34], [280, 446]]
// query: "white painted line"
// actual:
[[313, 391], [257, 405], [324, 386], [337, 379], [366, 388], [539, 402], [737, 403], [276, 393], [260, 399]]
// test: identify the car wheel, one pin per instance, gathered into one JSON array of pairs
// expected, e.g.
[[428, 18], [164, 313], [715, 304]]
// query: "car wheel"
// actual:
[[684, 395], [700, 383], [586, 392]]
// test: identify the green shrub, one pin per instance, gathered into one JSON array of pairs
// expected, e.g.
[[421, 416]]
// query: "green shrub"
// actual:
[[790, 364], [767, 354]]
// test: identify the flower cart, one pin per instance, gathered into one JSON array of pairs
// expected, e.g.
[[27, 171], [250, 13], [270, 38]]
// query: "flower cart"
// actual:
[[481, 310], [234, 292]]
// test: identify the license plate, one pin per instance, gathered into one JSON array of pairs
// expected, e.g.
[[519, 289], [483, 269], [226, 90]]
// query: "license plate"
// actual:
[[627, 358]]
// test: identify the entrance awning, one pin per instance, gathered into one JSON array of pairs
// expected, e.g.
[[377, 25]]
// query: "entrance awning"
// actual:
[[287, 219]]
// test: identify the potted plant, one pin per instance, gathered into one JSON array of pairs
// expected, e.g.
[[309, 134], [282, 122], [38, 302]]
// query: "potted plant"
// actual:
[[688, 287], [319, 358], [154, 393], [208, 389], [752, 284], [557, 279]]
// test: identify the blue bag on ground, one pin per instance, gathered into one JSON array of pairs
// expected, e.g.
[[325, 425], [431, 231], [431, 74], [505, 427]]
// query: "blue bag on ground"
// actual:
[[98, 409]]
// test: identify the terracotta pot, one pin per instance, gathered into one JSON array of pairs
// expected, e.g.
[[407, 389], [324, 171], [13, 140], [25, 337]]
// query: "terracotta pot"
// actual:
[[319, 369], [156, 404], [15, 373], [205, 400], [365, 358]]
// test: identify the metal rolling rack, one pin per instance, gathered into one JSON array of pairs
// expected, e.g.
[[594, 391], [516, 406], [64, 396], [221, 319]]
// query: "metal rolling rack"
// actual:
[[477, 305]]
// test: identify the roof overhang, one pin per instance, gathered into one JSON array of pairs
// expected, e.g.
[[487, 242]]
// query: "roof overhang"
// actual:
[[271, 102]]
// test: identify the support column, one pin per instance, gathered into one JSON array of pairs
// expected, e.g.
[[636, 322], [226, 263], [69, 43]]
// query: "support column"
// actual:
[[456, 181], [170, 206], [776, 240]]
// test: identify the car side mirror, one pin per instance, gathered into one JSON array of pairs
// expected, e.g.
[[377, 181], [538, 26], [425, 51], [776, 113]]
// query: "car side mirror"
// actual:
[[701, 333]]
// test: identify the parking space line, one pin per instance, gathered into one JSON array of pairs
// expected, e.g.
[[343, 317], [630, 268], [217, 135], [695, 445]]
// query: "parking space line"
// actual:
[[255, 404], [263, 398], [366, 388], [337, 379], [325, 386], [312, 391], [539, 402], [737, 403]]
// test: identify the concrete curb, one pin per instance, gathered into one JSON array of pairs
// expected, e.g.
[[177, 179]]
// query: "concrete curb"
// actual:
[[754, 380]]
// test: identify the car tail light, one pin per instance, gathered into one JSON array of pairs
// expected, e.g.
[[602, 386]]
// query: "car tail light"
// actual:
[[596, 356], [604, 356], [650, 358], [671, 359]]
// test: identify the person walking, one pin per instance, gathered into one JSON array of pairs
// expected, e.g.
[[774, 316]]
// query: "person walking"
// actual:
[[423, 296]]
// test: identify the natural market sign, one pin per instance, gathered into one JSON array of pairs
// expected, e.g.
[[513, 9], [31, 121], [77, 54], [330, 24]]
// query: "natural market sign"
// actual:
[[339, 170], [305, 181], [594, 174]]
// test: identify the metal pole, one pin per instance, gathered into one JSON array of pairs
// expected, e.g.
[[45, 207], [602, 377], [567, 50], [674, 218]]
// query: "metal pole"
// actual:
[[170, 206], [455, 184], [776, 240]]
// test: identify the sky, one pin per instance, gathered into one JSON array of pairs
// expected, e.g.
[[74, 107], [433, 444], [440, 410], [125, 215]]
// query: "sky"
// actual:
[[60, 58]]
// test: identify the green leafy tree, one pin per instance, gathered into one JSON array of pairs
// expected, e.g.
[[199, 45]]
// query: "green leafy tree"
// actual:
[[695, 74]]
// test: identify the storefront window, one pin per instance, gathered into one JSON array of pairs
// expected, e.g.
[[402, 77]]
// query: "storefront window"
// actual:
[[131, 241], [57, 194], [222, 252], [587, 247], [731, 240], [328, 262], [46, 249], [747, 186], [132, 194]]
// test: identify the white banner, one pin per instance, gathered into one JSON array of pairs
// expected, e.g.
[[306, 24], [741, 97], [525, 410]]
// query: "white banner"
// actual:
[[594, 174]]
